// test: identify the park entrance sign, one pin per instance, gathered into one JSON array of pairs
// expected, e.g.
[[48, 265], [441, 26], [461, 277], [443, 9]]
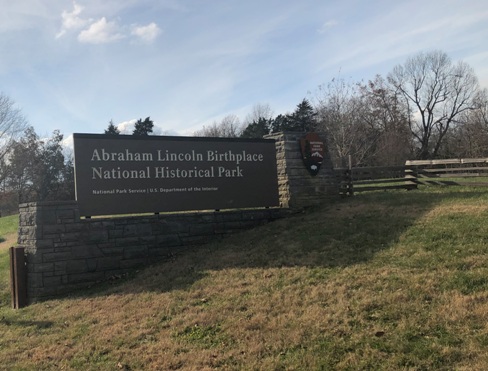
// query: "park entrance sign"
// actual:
[[123, 174]]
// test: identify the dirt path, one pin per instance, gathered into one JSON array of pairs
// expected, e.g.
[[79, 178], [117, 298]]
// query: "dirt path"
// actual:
[[10, 240]]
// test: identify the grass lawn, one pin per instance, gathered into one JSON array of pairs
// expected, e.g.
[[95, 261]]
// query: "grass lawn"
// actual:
[[379, 281], [8, 226], [8, 237]]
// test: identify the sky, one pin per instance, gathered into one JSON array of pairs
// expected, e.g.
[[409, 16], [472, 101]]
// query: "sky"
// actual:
[[74, 66]]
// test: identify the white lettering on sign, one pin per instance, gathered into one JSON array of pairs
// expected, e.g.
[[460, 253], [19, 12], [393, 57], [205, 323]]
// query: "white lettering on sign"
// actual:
[[102, 155]]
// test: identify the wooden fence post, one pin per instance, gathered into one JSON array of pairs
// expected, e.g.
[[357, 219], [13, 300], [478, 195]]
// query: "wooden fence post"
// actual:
[[18, 277], [350, 189]]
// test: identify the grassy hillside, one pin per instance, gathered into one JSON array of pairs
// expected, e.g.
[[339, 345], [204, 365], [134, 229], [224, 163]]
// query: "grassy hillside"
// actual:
[[8, 237], [8, 226], [380, 281]]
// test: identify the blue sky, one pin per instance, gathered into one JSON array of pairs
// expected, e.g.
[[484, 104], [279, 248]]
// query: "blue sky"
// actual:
[[74, 66]]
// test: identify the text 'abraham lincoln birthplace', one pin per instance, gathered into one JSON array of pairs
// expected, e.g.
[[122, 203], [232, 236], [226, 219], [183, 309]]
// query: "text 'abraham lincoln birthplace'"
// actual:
[[236, 159], [126, 174]]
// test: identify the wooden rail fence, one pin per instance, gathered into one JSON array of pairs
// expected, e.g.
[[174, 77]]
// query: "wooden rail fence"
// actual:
[[447, 172], [362, 179], [460, 171]]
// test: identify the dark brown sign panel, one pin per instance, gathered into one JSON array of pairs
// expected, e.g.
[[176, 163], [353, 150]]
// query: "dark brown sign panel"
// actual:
[[312, 149], [122, 174]]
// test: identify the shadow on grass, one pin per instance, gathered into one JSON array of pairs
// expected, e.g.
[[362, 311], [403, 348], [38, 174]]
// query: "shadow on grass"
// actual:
[[38, 325], [340, 234]]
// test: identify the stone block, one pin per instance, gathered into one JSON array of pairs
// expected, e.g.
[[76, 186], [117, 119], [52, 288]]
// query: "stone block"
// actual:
[[96, 236], [43, 267], [53, 281], [107, 263], [32, 257], [60, 267], [206, 218], [46, 216], [115, 233], [127, 241], [110, 250], [75, 227], [44, 243], [159, 251], [135, 252], [202, 230], [147, 240], [233, 226], [60, 246], [229, 216], [168, 240], [76, 266], [27, 218], [86, 278], [30, 232], [144, 229], [197, 240], [94, 224], [72, 236], [65, 215], [56, 256], [132, 263], [171, 226], [130, 230], [108, 224], [86, 251], [34, 280]]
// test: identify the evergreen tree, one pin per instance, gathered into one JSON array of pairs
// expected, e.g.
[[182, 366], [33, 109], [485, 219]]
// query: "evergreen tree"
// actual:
[[112, 129], [280, 123], [143, 127], [257, 129], [304, 117]]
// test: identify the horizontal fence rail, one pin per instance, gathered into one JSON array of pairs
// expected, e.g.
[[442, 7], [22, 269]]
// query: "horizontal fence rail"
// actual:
[[362, 179], [442, 172], [466, 172]]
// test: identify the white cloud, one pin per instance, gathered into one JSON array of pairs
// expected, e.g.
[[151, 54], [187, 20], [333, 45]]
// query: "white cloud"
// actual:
[[67, 144], [126, 127], [72, 20], [147, 33], [101, 32], [326, 26]]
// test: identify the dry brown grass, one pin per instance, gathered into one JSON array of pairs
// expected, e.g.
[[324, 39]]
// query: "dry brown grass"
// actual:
[[363, 284]]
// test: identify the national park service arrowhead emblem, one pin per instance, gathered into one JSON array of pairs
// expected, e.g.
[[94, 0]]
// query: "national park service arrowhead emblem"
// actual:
[[312, 149]]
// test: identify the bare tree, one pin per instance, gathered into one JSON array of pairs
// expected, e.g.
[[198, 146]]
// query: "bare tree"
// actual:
[[22, 164], [259, 111], [36, 168], [340, 111], [436, 92], [385, 113], [229, 127], [480, 112], [12, 124], [471, 138]]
